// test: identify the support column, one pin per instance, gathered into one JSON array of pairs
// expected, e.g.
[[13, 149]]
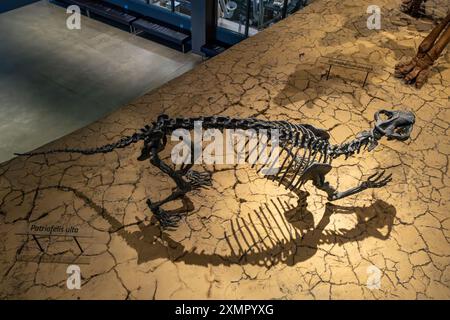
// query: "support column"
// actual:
[[203, 22]]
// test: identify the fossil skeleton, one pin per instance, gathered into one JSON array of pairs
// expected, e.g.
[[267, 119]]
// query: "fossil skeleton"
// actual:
[[418, 68], [307, 150]]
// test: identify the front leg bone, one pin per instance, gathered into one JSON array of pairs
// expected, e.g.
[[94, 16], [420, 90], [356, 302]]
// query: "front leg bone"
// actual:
[[377, 180]]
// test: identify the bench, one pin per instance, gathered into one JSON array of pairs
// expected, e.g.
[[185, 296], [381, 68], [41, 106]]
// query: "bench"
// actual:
[[105, 11], [162, 32]]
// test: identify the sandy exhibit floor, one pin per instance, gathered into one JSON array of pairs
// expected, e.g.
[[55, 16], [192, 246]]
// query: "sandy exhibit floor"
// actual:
[[246, 237]]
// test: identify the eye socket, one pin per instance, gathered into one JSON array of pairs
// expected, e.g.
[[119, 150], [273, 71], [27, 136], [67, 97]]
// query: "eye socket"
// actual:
[[385, 116]]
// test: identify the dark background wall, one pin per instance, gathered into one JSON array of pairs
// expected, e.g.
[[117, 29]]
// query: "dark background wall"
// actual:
[[6, 5]]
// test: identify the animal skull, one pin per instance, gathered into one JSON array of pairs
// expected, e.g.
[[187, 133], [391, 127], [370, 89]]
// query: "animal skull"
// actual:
[[395, 125]]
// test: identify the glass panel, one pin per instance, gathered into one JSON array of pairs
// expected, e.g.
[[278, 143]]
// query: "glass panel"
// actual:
[[183, 7], [178, 6], [294, 5], [232, 15], [166, 4], [268, 12], [257, 14]]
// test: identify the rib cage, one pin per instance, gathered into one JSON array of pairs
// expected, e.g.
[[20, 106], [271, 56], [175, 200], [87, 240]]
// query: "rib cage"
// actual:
[[300, 145]]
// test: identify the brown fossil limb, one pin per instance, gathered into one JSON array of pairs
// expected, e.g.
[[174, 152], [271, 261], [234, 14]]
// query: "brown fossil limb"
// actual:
[[414, 8], [417, 69]]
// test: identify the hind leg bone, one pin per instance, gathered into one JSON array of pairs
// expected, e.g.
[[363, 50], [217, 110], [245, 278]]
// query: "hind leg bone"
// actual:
[[165, 219]]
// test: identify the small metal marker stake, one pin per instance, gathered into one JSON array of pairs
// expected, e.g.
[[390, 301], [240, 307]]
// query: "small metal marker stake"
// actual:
[[349, 65], [37, 242]]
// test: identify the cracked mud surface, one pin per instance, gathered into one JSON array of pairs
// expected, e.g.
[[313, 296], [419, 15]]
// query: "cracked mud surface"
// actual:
[[247, 237]]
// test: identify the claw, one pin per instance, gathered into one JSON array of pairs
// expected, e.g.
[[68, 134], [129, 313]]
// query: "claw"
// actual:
[[386, 180], [370, 177], [166, 220], [377, 180], [378, 175]]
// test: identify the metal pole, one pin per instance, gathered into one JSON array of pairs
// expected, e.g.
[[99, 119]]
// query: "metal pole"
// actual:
[[261, 14], [203, 23], [247, 21], [284, 11]]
